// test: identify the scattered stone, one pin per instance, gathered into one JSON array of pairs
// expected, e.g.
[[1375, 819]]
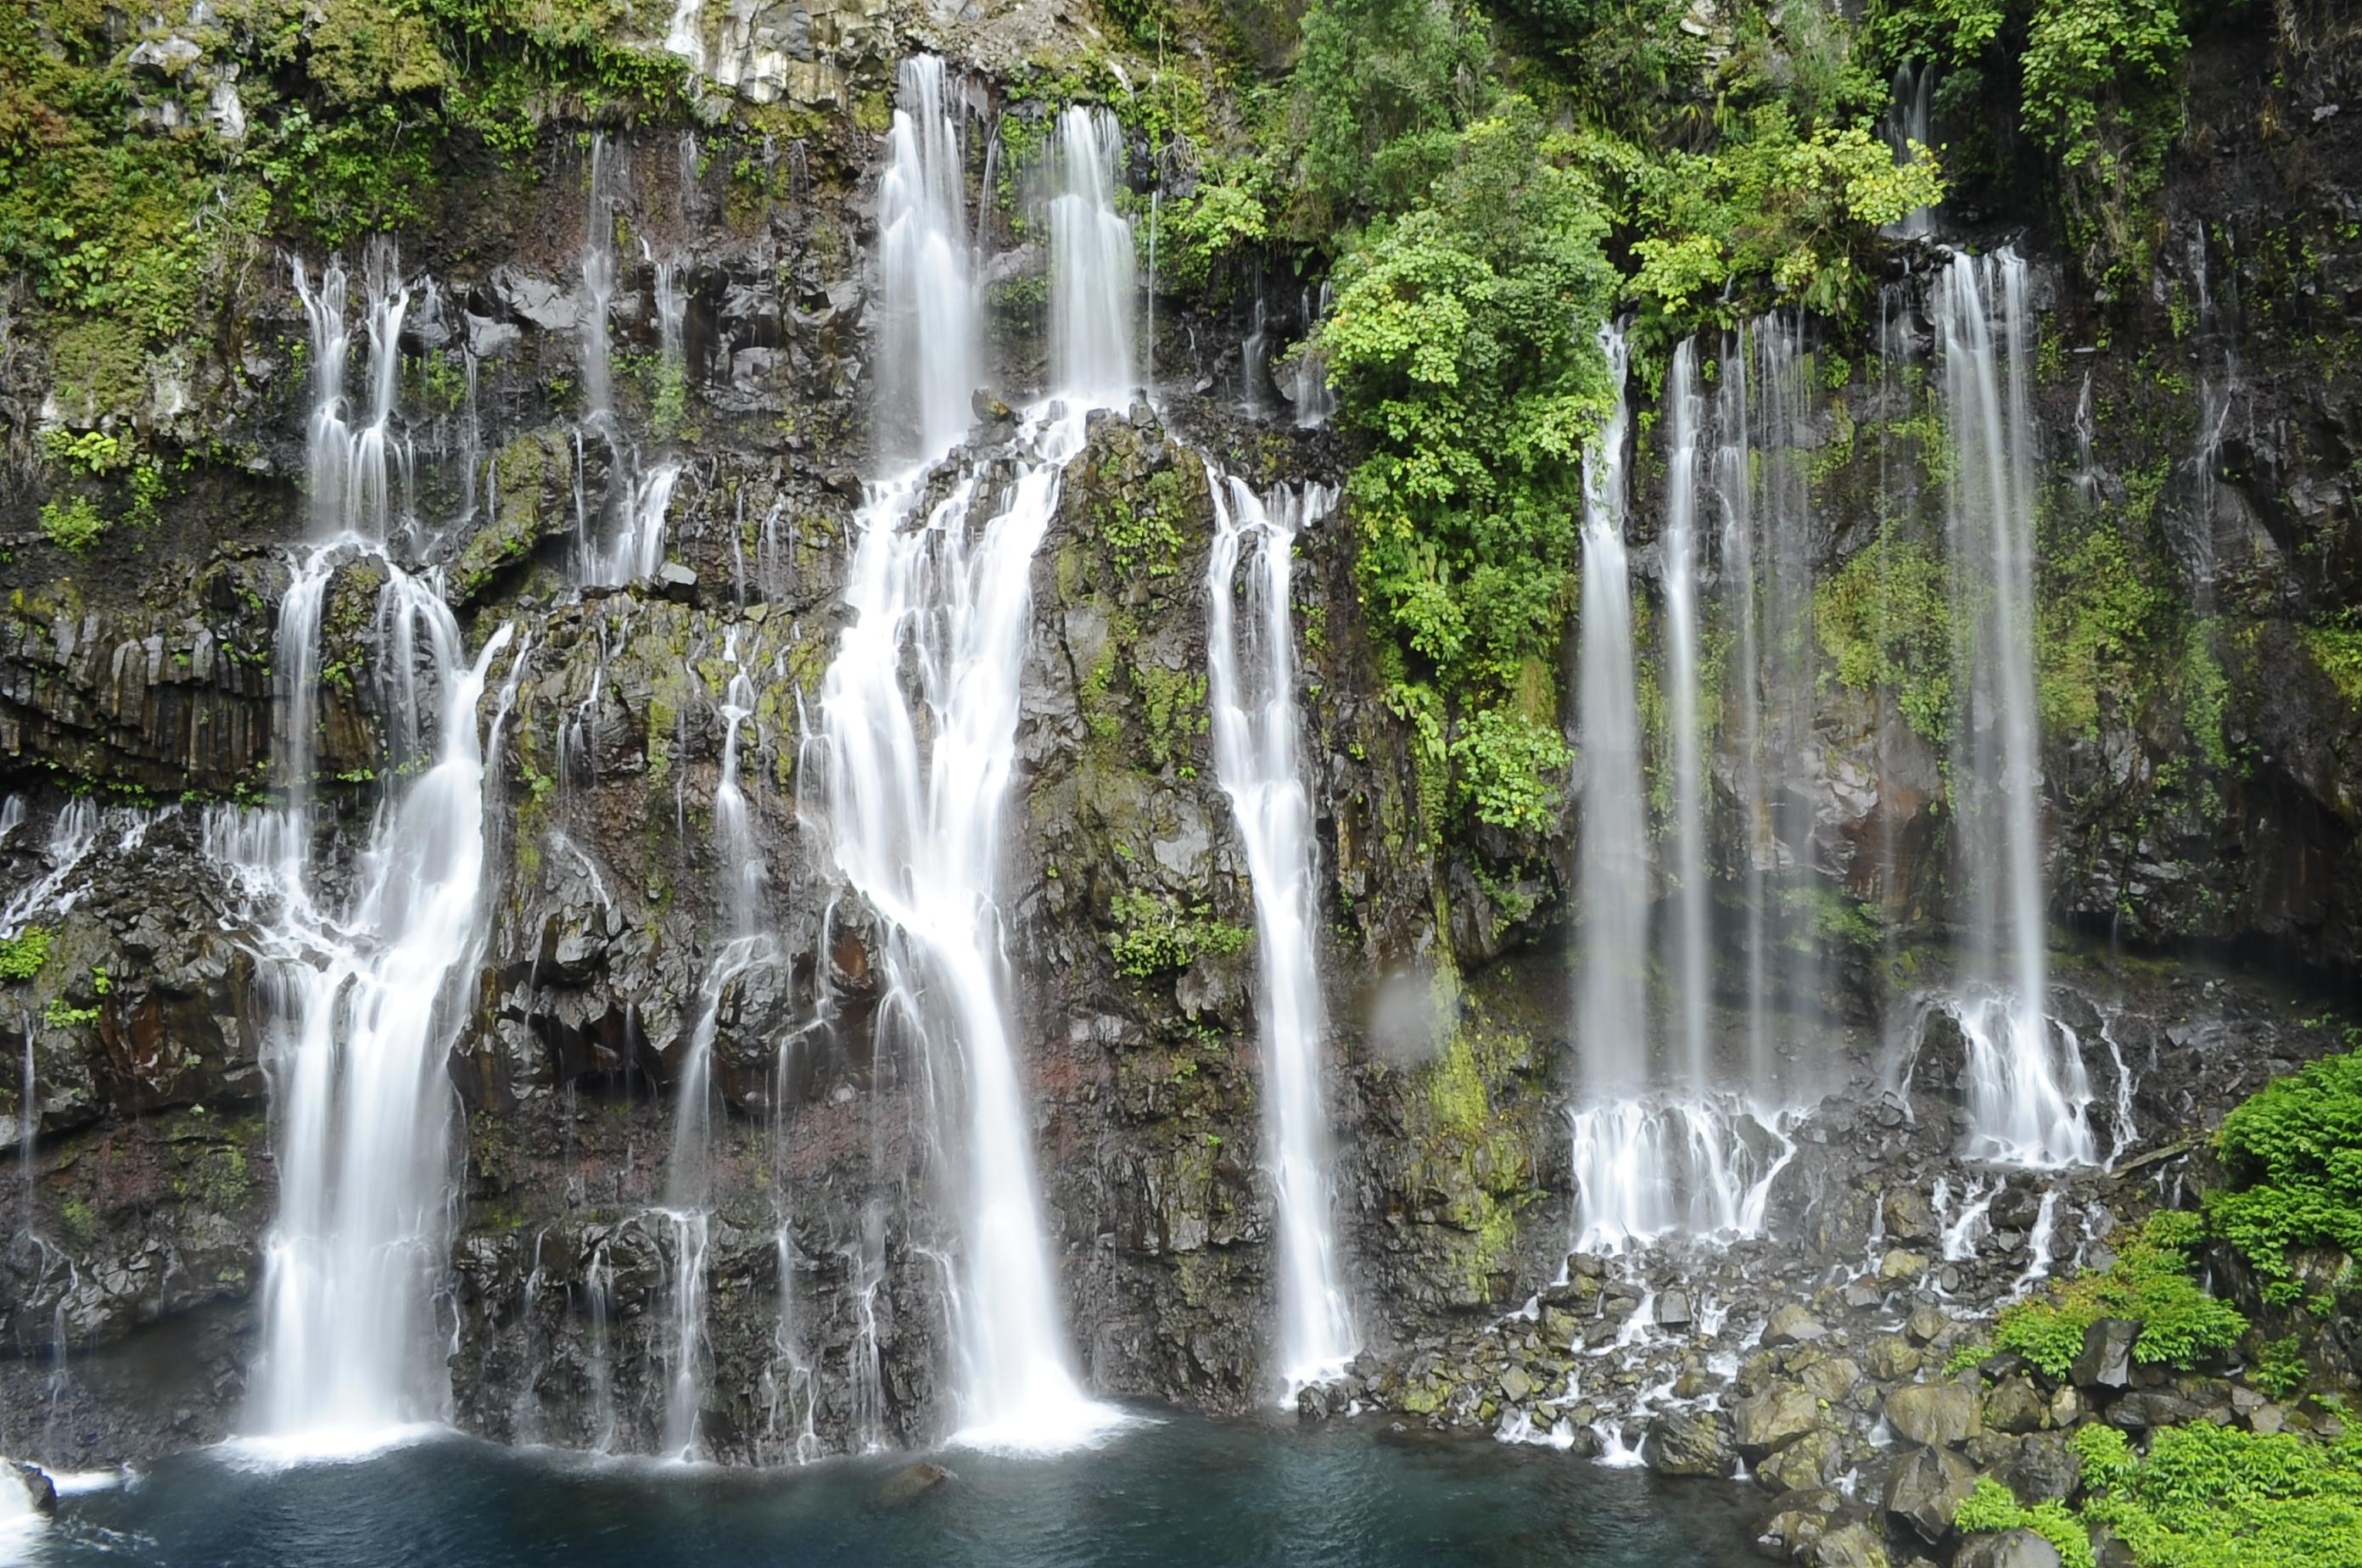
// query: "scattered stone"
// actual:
[[2106, 1361], [1772, 1417], [1798, 1524], [1684, 1442], [2015, 1404], [1891, 1358], [1908, 1217], [1810, 1460], [1674, 1309], [1936, 1413], [911, 1482], [675, 581], [1516, 1385], [1861, 1296], [2044, 1468], [1853, 1546], [1926, 1490], [1901, 1267], [2266, 1419], [1793, 1325], [1926, 1324], [40, 1489], [2007, 1548], [1831, 1379]]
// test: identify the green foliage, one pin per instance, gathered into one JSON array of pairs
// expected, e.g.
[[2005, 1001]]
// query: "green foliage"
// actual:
[[1885, 621], [22, 956], [62, 1014], [2097, 622], [1142, 531], [73, 525], [2293, 1151], [2097, 92], [1990, 1507], [1377, 81], [1462, 348], [1947, 32], [2150, 1281], [2280, 1368], [2336, 651], [1154, 933], [1503, 763], [2210, 1497], [1800, 208]]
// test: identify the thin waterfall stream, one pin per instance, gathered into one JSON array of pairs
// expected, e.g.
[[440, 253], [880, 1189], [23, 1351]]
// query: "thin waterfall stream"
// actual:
[[1250, 670]]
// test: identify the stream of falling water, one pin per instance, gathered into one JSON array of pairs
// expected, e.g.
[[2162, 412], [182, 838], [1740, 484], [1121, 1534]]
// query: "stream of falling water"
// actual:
[[918, 775], [362, 1105], [2028, 1097], [1251, 669]]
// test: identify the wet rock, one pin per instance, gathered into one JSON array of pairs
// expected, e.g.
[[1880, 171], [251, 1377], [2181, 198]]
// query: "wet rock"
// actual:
[[1891, 1358], [1831, 1379], [1936, 1413], [2007, 1548], [1796, 1524], [1810, 1460], [39, 1488], [1925, 1490], [2106, 1361], [2015, 1404], [911, 1482], [1908, 1217], [1674, 1309], [1849, 1546], [1772, 1417], [1900, 1267], [2043, 1468], [1793, 1325], [2147, 1407], [1926, 1324], [1684, 1442]]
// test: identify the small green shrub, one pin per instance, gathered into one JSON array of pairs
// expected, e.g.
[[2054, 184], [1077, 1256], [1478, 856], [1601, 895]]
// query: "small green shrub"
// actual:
[[1991, 1508], [2293, 1150], [2210, 1497], [62, 1014], [1155, 934], [75, 525], [2281, 1370], [2151, 1282], [22, 956]]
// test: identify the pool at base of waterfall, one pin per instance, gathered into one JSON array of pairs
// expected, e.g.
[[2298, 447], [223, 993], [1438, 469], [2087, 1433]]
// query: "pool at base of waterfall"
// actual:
[[1170, 1489]]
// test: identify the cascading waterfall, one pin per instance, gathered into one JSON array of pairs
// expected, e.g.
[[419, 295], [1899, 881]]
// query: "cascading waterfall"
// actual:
[[598, 287], [1251, 670], [917, 778], [1091, 266], [1907, 120], [362, 1108], [1671, 1152], [1688, 969], [2028, 1096], [928, 359], [1309, 380]]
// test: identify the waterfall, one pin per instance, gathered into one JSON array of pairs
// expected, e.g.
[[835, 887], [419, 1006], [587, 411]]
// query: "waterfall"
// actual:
[[1688, 969], [1091, 261], [1613, 865], [1907, 121], [2028, 1098], [363, 1108], [928, 360], [598, 286], [688, 1184], [1308, 382], [361, 1105], [917, 777], [1251, 670]]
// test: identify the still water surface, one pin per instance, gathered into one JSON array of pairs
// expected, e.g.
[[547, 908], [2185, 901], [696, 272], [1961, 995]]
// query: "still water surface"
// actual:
[[1167, 1491]]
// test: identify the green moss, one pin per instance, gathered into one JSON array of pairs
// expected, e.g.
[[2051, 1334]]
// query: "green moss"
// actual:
[[1173, 711], [2098, 619], [1885, 621], [22, 956], [1155, 934]]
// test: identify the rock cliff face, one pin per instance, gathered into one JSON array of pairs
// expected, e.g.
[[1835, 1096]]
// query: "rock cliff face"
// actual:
[[2211, 810]]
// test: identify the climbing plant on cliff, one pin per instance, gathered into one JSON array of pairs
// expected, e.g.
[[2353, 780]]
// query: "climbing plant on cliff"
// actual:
[[2294, 1154], [1461, 348]]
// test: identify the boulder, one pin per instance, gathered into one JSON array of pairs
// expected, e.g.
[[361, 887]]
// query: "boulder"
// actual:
[[1831, 1379], [1850, 1546], [2015, 1404], [2106, 1361], [1891, 1358], [1795, 1525], [1684, 1442], [1674, 1309], [1924, 1489], [1899, 1268], [2042, 1469], [1926, 1324], [1937, 1413], [911, 1482], [1793, 1325], [2007, 1548], [1806, 1462], [1908, 1217], [39, 1490], [2147, 1407], [1774, 1416]]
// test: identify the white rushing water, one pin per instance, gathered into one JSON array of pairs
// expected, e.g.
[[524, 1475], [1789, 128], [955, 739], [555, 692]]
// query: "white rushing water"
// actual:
[[2028, 1097], [1688, 969], [1250, 670], [362, 1103], [918, 774]]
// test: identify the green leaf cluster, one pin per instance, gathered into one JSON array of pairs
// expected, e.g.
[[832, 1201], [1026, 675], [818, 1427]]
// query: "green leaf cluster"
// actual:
[[1990, 1507], [22, 956], [2210, 1497], [1155, 932], [2151, 1282], [1885, 621], [2293, 1151]]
